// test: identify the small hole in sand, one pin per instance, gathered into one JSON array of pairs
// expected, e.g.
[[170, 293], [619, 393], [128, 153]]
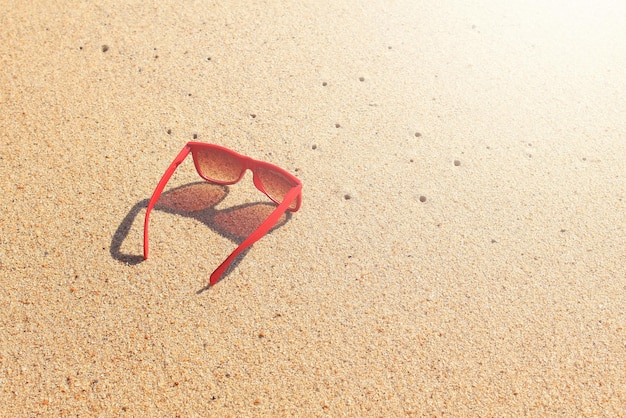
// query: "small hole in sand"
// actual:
[[347, 196], [324, 84], [361, 78], [169, 131], [314, 146], [457, 163], [422, 199], [252, 115], [105, 48], [417, 134], [195, 136], [337, 125]]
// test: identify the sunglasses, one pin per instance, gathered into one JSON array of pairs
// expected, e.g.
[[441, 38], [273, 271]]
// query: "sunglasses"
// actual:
[[222, 166]]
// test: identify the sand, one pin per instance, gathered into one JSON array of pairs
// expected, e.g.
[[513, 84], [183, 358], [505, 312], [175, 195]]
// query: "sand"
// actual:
[[461, 244]]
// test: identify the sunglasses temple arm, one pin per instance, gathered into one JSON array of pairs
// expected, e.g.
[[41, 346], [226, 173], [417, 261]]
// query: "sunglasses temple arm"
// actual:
[[157, 193], [257, 233]]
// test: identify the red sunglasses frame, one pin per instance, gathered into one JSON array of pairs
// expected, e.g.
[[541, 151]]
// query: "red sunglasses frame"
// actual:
[[247, 163]]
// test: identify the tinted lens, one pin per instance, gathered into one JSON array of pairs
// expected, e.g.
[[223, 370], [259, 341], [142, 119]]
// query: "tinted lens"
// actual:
[[276, 185], [218, 165]]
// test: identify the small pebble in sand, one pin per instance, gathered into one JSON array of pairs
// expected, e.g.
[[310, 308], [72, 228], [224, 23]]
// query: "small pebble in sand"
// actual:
[[169, 131], [314, 146], [195, 136], [457, 163], [252, 115], [347, 196], [337, 125], [422, 199], [361, 78], [324, 84], [105, 48], [417, 134]]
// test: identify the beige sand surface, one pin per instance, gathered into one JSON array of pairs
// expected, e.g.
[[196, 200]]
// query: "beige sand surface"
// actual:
[[502, 294]]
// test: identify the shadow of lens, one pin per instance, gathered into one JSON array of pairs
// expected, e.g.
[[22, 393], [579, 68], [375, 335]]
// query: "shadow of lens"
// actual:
[[192, 198]]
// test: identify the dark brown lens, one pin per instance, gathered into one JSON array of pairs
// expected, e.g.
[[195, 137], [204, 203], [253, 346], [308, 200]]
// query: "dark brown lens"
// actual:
[[276, 185], [218, 165]]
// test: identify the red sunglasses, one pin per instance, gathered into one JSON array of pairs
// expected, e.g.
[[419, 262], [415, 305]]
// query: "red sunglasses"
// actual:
[[220, 165]]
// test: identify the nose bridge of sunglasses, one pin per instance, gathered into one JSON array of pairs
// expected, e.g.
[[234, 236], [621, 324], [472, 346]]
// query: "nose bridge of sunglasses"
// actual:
[[247, 163], [245, 191]]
